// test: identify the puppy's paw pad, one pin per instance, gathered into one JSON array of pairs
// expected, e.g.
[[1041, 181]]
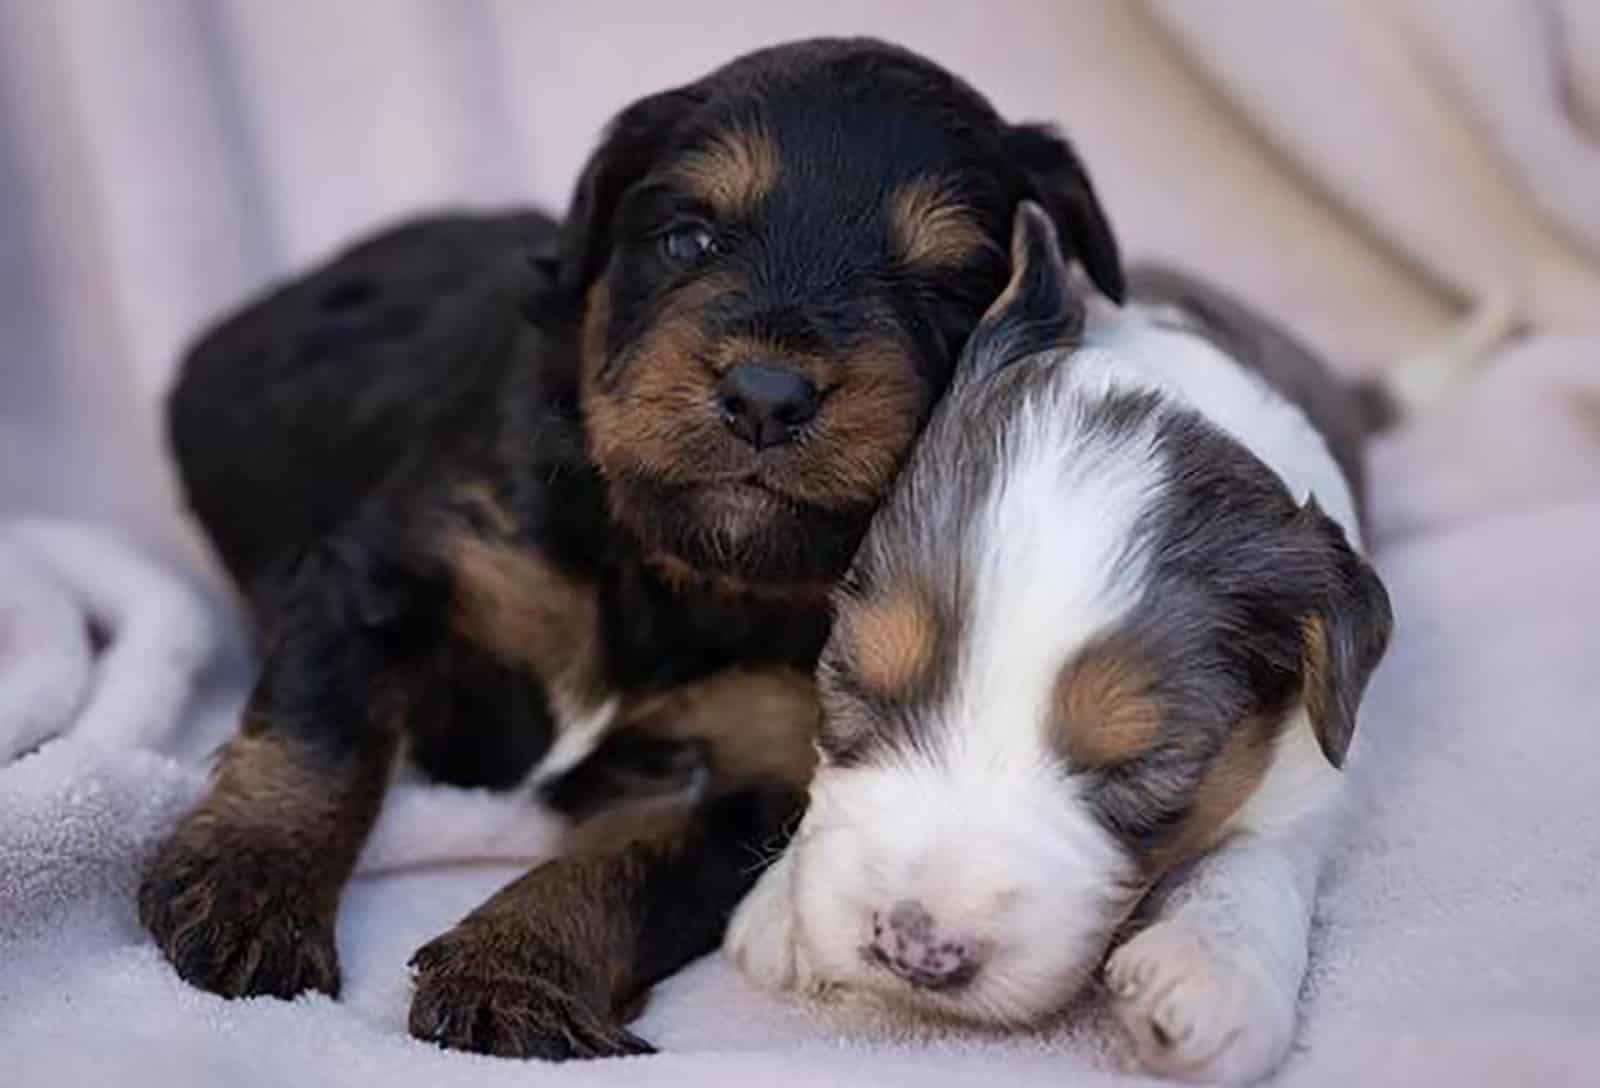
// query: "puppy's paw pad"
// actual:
[[1199, 1009], [238, 921]]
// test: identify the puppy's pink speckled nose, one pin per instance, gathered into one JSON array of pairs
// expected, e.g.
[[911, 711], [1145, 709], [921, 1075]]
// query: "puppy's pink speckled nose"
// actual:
[[907, 942]]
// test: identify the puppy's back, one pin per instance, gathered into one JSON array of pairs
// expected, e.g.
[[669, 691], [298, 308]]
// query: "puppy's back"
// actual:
[[1259, 344], [292, 409]]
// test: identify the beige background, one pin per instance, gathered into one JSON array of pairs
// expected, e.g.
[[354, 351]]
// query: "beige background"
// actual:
[[1365, 168]]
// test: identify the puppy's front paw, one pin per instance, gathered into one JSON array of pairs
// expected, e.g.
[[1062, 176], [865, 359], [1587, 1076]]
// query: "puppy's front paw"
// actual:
[[237, 916], [470, 996], [761, 939], [1199, 1009]]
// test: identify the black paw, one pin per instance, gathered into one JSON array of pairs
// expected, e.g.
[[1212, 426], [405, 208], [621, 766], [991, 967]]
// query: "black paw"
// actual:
[[468, 998], [236, 919]]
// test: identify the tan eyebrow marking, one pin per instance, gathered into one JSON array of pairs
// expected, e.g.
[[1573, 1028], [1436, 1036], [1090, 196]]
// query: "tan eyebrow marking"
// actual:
[[931, 229], [893, 641], [734, 171], [1105, 711]]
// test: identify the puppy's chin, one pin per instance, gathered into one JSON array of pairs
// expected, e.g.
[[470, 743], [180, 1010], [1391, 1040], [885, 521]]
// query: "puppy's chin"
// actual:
[[738, 532]]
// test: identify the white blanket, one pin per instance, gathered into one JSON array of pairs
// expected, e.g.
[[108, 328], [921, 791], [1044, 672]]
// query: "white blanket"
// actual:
[[1456, 942]]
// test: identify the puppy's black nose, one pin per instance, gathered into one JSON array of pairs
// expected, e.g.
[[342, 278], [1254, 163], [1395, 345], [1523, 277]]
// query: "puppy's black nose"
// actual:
[[908, 943], [767, 405]]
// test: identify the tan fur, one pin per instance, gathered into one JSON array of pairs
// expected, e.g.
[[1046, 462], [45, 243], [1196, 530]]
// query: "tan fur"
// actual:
[[525, 612], [245, 891], [759, 725], [556, 917], [660, 404], [1223, 789], [893, 641], [659, 414], [1314, 663], [684, 578], [478, 498], [932, 230], [1104, 709], [864, 431], [733, 172], [268, 779]]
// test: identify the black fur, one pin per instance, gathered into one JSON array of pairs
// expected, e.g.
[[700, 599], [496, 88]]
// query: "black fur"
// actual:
[[333, 434]]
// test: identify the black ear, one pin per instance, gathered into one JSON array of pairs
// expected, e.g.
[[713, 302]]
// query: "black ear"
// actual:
[[1059, 182], [1036, 311], [631, 144], [1343, 638]]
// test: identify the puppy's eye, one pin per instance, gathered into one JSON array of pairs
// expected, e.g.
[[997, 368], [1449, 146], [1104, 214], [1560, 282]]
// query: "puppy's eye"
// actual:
[[688, 242]]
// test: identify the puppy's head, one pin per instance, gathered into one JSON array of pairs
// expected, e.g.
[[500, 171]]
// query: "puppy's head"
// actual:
[[778, 266], [1079, 634]]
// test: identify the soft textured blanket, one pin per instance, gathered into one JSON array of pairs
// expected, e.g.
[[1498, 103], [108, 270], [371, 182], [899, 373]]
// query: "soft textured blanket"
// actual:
[[1456, 942], [1364, 169]]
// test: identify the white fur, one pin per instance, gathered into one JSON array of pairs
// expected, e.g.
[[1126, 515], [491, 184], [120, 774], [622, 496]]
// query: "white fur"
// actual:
[[971, 824], [981, 826], [1142, 352], [578, 732], [1208, 991]]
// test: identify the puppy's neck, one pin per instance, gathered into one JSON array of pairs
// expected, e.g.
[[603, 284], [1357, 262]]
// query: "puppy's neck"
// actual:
[[685, 580]]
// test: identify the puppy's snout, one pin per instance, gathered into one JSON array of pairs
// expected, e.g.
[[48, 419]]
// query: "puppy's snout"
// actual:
[[908, 942], [766, 405]]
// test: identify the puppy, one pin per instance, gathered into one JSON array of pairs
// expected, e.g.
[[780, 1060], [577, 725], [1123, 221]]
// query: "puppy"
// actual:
[[554, 555], [1103, 644]]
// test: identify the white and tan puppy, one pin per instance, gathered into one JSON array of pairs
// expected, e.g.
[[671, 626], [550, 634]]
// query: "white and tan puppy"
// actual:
[[1102, 650]]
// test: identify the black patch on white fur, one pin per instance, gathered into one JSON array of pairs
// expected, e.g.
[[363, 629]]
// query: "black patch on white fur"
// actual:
[[1283, 361]]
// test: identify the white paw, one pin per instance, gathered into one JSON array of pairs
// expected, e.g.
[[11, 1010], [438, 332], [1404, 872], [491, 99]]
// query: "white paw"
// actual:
[[1200, 1009], [761, 938]]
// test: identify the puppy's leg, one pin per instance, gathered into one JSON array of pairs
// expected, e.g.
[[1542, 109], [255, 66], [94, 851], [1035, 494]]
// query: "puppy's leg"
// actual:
[[242, 896], [761, 938], [548, 967], [1208, 992]]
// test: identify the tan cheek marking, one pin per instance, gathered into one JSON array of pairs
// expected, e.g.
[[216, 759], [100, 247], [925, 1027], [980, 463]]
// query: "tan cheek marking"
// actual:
[[932, 230], [865, 430], [1105, 712], [1224, 788], [893, 641], [525, 612], [659, 406], [734, 171], [662, 399]]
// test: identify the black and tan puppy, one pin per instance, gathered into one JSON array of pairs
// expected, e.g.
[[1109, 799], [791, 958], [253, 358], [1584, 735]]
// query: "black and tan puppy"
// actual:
[[540, 554]]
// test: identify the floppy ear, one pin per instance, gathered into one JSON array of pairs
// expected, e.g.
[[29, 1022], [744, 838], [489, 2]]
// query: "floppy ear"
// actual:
[[1037, 309], [1343, 638], [631, 144], [1060, 182]]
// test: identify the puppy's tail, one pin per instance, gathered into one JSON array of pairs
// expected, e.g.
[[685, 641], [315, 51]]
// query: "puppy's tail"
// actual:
[[1415, 384]]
